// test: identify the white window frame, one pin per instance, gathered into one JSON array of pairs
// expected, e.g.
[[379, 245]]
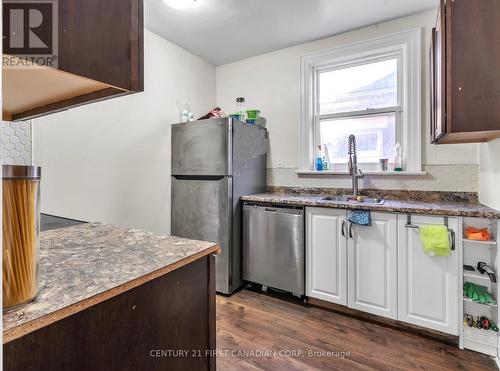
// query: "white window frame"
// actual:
[[407, 48]]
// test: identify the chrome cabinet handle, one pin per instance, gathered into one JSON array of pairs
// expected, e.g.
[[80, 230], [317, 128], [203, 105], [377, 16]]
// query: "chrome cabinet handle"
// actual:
[[343, 228], [350, 230]]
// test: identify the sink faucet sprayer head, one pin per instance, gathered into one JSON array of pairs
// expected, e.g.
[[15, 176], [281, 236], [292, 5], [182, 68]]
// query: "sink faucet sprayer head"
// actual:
[[352, 145], [353, 165]]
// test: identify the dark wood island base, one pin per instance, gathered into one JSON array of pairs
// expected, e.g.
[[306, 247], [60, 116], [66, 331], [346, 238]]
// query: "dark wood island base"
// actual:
[[164, 324], [116, 299]]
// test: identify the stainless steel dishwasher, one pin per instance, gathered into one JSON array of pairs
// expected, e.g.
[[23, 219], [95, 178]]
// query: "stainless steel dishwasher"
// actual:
[[273, 247]]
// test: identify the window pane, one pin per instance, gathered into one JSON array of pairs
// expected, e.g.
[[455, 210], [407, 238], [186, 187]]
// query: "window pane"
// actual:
[[375, 137], [372, 85]]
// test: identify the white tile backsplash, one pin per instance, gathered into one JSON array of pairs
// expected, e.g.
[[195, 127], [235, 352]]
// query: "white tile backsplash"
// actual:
[[16, 143], [454, 178]]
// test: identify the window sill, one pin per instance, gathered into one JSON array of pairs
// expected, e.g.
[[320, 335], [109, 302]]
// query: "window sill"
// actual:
[[370, 173]]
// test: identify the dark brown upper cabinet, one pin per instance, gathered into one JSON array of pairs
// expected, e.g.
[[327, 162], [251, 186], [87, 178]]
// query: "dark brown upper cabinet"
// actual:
[[98, 49], [465, 72]]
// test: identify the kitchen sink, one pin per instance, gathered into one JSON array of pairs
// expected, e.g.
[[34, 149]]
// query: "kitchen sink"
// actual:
[[348, 199]]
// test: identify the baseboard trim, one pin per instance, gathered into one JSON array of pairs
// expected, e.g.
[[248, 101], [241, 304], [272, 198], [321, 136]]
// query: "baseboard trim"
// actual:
[[420, 331]]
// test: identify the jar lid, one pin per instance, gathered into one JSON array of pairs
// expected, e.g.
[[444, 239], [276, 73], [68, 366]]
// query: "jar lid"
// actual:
[[21, 172]]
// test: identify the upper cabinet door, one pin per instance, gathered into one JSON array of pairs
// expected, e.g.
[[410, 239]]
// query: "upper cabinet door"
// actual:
[[465, 100], [438, 76], [474, 65], [372, 272], [428, 293], [326, 255], [86, 51], [432, 85]]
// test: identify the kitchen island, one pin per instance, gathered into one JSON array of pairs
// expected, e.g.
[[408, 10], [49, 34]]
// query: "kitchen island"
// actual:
[[112, 298]]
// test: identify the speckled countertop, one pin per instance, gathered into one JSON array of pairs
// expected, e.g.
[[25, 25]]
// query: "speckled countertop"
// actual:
[[469, 209], [86, 264]]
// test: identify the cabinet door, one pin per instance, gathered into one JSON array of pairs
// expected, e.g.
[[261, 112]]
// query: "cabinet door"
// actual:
[[473, 62], [326, 255], [372, 272], [432, 85], [428, 292], [98, 54], [438, 78], [440, 75]]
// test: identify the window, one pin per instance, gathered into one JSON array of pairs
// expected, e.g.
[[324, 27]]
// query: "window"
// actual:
[[369, 89], [360, 100]]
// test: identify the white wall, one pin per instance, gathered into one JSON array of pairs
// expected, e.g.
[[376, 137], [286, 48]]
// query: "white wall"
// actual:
[[489, 173], [110, 161], [271, 82]]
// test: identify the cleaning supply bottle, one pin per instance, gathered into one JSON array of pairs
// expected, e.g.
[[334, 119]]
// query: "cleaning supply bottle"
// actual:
[[326, 159], [240, 108], [398, 163], [319, 159]]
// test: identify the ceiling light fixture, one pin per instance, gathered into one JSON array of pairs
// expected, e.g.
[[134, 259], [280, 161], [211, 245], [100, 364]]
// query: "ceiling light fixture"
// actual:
[[180, 4]]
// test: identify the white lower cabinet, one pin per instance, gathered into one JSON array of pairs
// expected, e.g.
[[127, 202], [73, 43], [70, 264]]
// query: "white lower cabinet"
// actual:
[[382, 269], [358, 271], [372, 266], [326, 255], [428, 293]]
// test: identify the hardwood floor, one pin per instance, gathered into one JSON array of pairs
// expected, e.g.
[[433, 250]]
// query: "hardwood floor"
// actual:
[[257, 331]]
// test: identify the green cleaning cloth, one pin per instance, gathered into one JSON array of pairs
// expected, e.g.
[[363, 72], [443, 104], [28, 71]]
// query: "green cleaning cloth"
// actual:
[[435, 239], [478, 293]]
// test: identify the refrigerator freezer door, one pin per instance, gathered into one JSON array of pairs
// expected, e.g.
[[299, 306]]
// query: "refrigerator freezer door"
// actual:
[[202, 148], [201, 210]]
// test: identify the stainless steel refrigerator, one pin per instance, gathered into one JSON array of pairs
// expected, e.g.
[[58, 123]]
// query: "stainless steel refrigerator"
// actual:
[[214, 163]]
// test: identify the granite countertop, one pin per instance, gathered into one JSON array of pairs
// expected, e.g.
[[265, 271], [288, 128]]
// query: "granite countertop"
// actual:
[[83, 265], [448, 208], [48, 222]]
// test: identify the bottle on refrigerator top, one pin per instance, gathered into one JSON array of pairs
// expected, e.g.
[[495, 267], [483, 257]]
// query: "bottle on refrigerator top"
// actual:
[[240, 108], [319, 159], [398, 166]]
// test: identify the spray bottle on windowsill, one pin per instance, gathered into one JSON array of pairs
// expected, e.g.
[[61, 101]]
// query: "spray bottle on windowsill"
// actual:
[[398, 164], [326, 158]]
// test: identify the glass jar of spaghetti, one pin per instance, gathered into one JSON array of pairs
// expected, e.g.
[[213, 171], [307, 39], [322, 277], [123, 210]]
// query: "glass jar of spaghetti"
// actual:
[[21, 229]]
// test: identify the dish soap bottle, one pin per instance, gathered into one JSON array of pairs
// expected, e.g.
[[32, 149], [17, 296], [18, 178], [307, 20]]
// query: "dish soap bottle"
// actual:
[[398, 164], [319, 159]]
